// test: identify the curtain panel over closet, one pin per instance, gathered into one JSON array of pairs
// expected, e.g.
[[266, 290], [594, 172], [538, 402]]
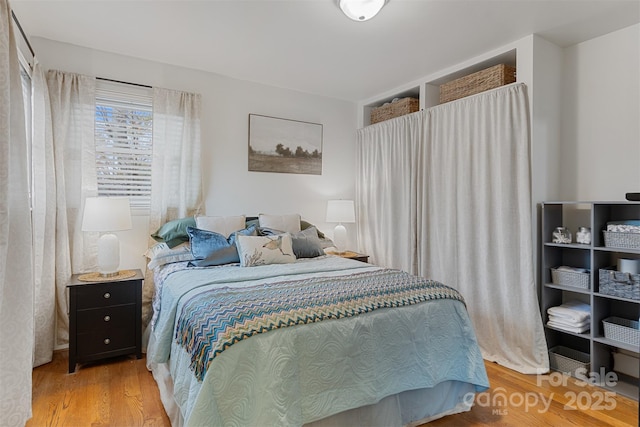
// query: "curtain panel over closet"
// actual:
[[386, 191], [468, 170], [16, 276]]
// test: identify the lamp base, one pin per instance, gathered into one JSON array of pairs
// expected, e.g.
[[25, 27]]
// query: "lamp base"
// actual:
[[109, 275], [108, 255], [340, 238]]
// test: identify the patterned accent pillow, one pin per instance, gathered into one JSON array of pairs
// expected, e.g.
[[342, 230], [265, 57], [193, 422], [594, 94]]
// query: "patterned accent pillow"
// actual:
[[224, 225], [161, 254], [263, 250]]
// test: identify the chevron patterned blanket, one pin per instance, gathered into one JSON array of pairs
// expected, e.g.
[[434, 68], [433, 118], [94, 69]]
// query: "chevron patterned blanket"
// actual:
[[213, 320]]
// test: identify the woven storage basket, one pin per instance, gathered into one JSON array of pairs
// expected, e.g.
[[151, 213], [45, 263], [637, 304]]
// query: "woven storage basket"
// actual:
[[619, 284], [567, 360], [615, 239], [623, 330], [394, 109], [489, 78], [570, 278]]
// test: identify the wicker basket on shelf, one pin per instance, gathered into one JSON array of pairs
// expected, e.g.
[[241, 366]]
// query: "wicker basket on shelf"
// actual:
[[394, 109], [619, 284], [567, 360], [616, 239], [570, 278], [489, 78], [623, 330]]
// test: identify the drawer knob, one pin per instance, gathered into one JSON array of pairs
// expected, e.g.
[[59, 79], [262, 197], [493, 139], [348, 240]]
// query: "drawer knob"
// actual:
[[107, 295], [107, 341], [107, 318]]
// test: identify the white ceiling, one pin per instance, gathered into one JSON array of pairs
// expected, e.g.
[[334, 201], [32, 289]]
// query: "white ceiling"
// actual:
[[308, 45]]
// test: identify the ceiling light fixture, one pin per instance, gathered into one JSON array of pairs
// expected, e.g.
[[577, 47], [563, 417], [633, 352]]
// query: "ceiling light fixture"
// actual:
[[361, 10]]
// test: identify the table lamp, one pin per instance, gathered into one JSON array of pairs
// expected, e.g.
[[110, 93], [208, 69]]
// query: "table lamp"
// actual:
[[106, 215], [340, 211]]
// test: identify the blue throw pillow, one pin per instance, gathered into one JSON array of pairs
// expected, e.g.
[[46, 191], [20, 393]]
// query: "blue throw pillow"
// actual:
[[211, 248]]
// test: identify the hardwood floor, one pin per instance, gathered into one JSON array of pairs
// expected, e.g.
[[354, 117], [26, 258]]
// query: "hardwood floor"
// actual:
[[117, 392], [121, 392]]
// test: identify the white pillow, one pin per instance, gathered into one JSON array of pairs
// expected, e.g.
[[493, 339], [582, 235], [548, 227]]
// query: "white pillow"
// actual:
[[161, 254], [224, 225], [285, 223], [263, 250]]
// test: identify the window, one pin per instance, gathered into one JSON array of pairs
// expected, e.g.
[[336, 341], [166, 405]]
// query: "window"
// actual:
[[123, 135]]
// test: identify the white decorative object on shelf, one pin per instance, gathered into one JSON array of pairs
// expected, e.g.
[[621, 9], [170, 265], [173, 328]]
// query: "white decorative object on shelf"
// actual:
[[561, 235], [584, 235]]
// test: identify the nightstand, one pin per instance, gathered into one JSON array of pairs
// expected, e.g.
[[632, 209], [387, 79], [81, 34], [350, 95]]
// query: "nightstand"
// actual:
[[105, 319], [352, 255]]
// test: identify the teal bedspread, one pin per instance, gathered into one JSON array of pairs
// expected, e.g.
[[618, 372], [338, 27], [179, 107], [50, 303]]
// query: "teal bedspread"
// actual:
[[299, 374]]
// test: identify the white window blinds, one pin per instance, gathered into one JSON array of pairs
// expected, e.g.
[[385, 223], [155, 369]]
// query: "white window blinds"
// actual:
[[124, 143]]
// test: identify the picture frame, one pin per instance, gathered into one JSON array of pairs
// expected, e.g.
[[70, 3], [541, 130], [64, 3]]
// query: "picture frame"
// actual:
[[284, 145]]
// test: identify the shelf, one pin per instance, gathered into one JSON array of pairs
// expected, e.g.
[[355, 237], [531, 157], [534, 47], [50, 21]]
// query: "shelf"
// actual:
[[613, 343], [592, 257], [633, 301], [568, 288], [625, 387], [586, 335], [620, 250], [568, 245]]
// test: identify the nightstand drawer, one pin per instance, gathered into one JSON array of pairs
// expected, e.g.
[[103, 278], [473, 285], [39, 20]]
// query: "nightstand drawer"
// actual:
[[112, 340], [105, 294], [103, 319]]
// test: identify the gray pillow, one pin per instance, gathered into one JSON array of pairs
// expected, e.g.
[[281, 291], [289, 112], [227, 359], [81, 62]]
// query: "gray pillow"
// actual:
[[211, 248], [304, 225], [306, 243]]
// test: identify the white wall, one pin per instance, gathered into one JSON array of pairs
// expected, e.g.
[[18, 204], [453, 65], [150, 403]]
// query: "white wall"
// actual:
[[226, 103], [600, 149]]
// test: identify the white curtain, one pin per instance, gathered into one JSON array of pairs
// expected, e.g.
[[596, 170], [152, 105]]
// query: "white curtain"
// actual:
[[44, 220], [16, 268], [471, 173], [176, 176], [386, 191], [72, 98]]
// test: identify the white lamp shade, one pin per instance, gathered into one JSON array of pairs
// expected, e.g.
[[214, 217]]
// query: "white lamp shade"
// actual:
[[340, 211], [361, 10], [106, 214]]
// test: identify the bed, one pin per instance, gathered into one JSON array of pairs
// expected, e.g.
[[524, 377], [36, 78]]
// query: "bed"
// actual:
[[313, 341]]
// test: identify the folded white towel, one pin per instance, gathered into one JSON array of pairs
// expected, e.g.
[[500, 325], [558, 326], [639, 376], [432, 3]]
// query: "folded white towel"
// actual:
[[568, 328], [571, 324], [569, 317], [572, 310]]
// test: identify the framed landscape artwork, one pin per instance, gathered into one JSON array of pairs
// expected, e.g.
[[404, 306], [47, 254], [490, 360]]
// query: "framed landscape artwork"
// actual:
[[284, 146]]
